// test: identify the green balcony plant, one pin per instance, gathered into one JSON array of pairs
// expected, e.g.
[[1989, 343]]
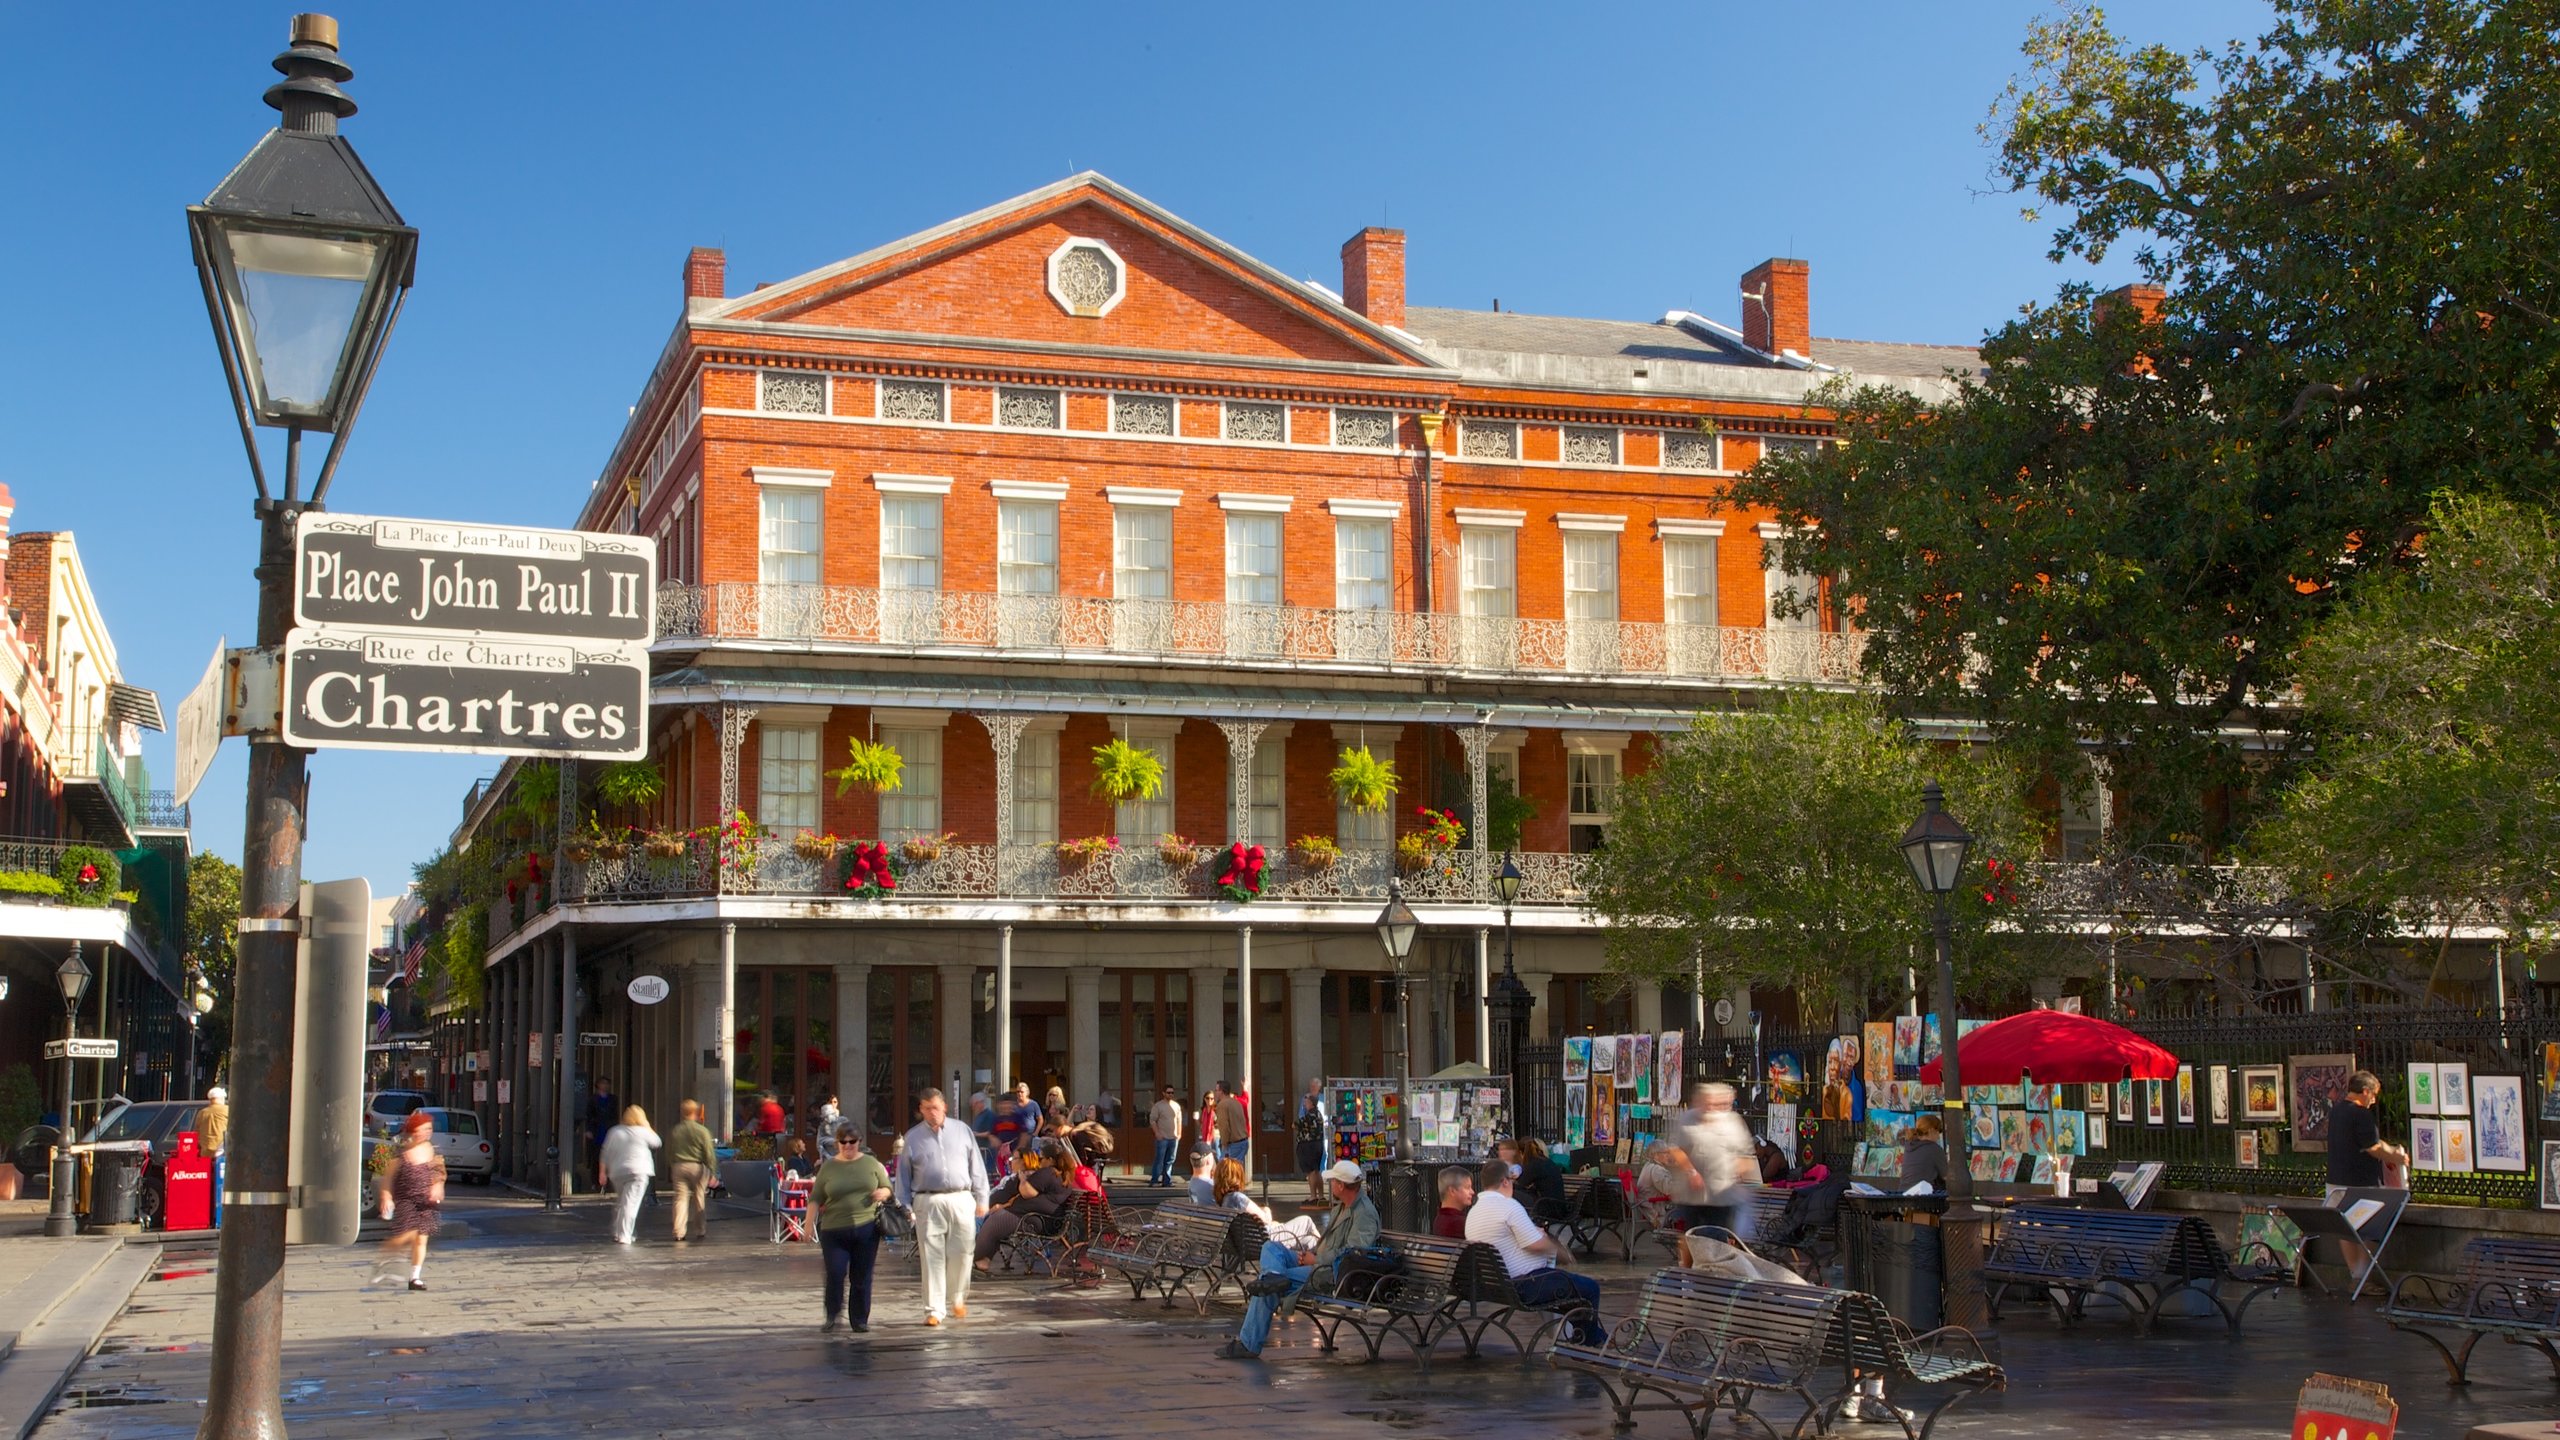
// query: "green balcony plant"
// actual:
[[1363, 781], [871, 765], [1123, 772], [631, 783]]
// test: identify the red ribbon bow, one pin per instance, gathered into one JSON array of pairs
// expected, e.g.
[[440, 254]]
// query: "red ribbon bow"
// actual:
[[1244, 867], [88, 874], [869, 866]]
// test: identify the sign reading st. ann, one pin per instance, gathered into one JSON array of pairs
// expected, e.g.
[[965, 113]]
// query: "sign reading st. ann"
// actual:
[[369, 572]]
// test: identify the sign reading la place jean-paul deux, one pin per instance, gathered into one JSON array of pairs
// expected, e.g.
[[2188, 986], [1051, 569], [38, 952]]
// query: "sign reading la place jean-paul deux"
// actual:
[[430, 635]]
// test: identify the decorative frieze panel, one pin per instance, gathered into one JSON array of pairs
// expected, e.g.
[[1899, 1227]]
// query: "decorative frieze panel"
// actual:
[[1489, 440], [911, 400], [1682, 450], [1365, 429], [1142, 414], [1027, 409], [782, 392], [1086, 278], [1266, 423], [1590, 445]]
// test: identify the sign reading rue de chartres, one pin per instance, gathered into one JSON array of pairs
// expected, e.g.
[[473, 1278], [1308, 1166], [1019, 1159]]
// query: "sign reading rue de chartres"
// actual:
[[474, 694], [368, 572]]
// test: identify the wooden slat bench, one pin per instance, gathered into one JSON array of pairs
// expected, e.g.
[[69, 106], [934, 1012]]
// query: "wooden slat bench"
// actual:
[[1703, 1343], [1593, 1206], [1185, 1244], [1871, 1342], [1057, 1242], [2508, 1287], [2139, 1258], [1487, 1300], [1412, 1304]]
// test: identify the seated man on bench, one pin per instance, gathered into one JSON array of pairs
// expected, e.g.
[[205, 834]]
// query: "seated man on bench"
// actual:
[[1528, 1253], [1353, 1225]]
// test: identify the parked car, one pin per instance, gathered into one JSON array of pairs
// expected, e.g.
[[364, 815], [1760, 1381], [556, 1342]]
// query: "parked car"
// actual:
[[385, 1109], [459, 1143], [157, 1125]]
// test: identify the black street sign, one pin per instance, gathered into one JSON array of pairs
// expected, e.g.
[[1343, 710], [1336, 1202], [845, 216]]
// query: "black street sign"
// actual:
[[465, 694], [372, 573]]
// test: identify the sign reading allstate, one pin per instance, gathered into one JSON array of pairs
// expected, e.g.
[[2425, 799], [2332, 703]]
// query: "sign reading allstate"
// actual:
[[369, 572]]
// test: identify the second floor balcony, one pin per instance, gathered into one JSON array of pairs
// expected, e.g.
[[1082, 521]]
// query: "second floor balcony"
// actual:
[[874, 619]]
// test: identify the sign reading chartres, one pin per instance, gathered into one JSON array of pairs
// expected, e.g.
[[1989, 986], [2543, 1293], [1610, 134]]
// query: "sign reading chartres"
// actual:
[[371, 573], [479, 639]]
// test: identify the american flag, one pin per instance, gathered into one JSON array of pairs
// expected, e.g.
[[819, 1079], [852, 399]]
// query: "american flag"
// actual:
[[409, 962], [382, 1022]]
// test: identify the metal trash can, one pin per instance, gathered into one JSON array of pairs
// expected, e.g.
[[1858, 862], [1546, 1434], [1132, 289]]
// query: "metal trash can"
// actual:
[[1408, 1201], [1909, 1270], [115, 1185]]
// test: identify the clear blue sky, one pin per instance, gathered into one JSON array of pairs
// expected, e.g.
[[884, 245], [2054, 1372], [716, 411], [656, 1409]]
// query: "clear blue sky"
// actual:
[[1610, 161]]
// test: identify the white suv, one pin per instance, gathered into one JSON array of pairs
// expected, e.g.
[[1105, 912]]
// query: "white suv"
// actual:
[[385, 1109]]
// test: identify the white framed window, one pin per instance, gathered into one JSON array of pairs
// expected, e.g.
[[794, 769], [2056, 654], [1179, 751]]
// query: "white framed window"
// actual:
[[788, 534], [1142, 415], [915, 807], [787, 778], [912, 400], [2083, 817], [1787, 589], [1591, 600], [1591, 787], [1026, 547], [1488, 594], [910, 568], [1142, 822], [1589, 445], [1374, 831], [1692, 644], [1035, 788], [1253, 582], [790, 392], [1021, 408], [1362, 568], [1270, 763], [1142, 576]]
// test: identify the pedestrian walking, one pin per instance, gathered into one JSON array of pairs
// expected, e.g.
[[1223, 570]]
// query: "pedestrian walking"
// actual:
[[1166, 1120], [625, 1167], [941, 1179], [1310, 1137], [1719, 1148], [846, 1201], [693, 1157], [213, 1125], [412, 1201]]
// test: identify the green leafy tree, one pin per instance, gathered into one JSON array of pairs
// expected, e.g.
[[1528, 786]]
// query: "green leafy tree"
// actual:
[[1761, 846], [2122, 529], [212, 943], [2434, 791]]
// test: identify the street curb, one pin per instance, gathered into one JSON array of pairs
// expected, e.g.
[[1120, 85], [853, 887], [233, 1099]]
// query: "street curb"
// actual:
[[53, 1349]]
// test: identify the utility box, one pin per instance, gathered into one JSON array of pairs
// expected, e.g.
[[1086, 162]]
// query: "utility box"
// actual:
[[187, 1186]]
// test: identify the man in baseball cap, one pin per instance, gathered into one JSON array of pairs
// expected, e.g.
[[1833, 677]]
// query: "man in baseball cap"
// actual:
[[1352, 1225]]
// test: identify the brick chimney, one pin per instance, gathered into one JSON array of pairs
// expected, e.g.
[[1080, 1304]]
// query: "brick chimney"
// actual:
[[1777, 307], [2146, 301], [1373, 274], [706, 274]]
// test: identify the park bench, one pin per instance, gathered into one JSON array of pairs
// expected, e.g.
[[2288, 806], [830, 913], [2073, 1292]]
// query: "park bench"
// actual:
[[1869, 1341], [1593, 1206], [2507, 1287], [1056, 1242], [2139, 1258], [1701, 1343], [1485, 1299], [1410, 1302], [1809, 1255], [1184, 1244]]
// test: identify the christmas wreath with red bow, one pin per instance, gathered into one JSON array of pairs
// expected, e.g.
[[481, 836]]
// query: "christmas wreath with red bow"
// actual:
[[89, 875], [1240, 877], [867, 870]]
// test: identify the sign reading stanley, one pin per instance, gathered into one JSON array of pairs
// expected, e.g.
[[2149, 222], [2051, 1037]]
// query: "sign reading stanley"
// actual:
[[367, 572], [401, 690]]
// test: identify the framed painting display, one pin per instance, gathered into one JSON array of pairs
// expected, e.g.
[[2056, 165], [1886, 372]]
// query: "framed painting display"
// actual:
[[2100, 1097], [2453, 1088], [2244, 1148], [2455, 1145], [2124, 1101], [2316, 1082], [2217, 1093], [1879, 1054], [2155, 1102], [2261, 1092], [2422, 1089], [2497, 1123], [2551, 1174], [2425, 1151], [2186, 1094], [2551, 1084], [1577, 1058], [2097, 1132]]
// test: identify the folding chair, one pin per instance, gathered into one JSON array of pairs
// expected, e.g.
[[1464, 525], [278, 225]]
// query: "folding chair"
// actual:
[[791, 1210]]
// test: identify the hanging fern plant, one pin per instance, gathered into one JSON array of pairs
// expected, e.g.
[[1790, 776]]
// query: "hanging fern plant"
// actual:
[[871, 764], [1123, 772], [1363, 781], [631, 783]]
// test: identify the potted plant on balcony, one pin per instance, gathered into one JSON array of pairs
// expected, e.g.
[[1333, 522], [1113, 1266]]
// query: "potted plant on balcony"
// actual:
[[29, 884], [1076, 855], [871, 765], [1363, 781], [1316, 852], [739, 849], [811, 845], [611, 844], [1123, 772], [631, 783], [1421, 849], [1177, 853], [88, 874], [664, 845], [924, 849]]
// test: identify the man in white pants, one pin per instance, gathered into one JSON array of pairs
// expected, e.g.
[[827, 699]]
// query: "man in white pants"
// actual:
[[942, 1179]]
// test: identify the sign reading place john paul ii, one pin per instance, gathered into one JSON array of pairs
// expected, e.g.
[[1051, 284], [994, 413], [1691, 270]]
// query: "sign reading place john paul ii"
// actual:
[[365, 572]]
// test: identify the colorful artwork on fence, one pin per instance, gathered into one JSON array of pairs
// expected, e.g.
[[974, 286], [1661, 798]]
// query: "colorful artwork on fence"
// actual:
[[2038, 1097], [2551, 1174], [2244, 1149], [2261, 1092], [1604, 1054], [1984, 1164], [2009, 1166], [2124, 1100], [2453, 1088], [2425, 1146], [1670, 1068], [1879, 1055], [2155, 1105], [1839, 1079], [2551, 1084], [2101, 1099], [2097, 1132], [1786, 1076], [2422, 1089], [1906, 1047], [1604, 1110], [2070, 1133], [2043, 1172], [1577, 1058], [2318, 1082], [1782, 1129], [2217, 1093], [1577, 1113], [1929, 1039], [2268, 1238], [1982, 1126], [2456, 1146], [1626, 1067], [1642, 1074], [2186, 1094], [2498, 1129]]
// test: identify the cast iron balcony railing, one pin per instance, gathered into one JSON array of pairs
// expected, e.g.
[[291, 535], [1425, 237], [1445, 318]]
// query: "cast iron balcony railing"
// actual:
[[703, 865], [89, 759], [1208, 631]]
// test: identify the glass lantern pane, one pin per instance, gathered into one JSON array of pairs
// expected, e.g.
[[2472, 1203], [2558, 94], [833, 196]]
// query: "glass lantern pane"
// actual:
[[299, 295]]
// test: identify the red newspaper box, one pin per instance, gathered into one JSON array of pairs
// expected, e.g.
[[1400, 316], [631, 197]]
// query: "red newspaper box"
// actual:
[[189, 1177]]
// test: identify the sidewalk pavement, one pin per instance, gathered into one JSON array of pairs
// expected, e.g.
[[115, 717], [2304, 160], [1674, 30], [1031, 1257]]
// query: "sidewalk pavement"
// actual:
[[535, 1325], [57, 1297]]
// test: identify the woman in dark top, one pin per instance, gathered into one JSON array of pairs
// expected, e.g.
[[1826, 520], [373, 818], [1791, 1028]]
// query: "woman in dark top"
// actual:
[[1038, 1187], [1924, 1154], [798, 1162], [1539, 1178]]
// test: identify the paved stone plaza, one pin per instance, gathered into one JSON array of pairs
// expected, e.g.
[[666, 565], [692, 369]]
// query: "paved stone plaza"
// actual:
[[535, 1326]]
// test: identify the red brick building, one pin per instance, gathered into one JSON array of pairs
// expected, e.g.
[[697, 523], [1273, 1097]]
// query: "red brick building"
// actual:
[[1071, 470]]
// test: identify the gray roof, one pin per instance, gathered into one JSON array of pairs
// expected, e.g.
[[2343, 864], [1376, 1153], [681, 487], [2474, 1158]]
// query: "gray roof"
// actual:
[[1660, 355], [1886, 357], [1561, 335]]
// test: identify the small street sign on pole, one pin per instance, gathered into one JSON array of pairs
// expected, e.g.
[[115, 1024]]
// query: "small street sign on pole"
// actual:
[[371, 572], [199, 732], [81, 1049], [464, 694]]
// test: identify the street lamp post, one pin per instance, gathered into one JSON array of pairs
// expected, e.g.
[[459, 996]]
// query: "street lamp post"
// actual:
[[1397, 926], [199, 1004], [1507, 1007], [1935, 848], [74, 978], [304, 264]]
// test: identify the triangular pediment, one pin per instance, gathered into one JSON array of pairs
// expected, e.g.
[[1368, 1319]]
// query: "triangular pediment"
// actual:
[[1086, 263]]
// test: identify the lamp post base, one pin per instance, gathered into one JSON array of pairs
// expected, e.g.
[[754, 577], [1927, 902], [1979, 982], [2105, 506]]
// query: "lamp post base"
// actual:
[[1963, 1230], [58, 1220]]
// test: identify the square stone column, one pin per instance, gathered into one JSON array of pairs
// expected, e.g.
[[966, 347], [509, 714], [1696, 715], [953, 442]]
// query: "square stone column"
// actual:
[[1208, 1030], [1084, 1035], [853, 1040], [957, 1002], [1648, 998], [701, 1038], [1306, 1030], [1541, 1031]]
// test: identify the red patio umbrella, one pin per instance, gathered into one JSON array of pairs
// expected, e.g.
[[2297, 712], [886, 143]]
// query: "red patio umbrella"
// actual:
[[2056, 1048]]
